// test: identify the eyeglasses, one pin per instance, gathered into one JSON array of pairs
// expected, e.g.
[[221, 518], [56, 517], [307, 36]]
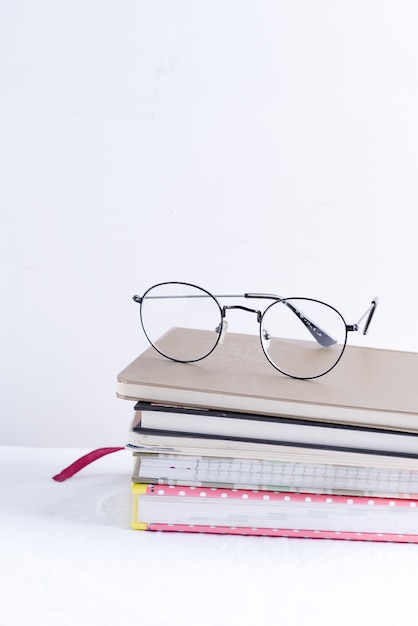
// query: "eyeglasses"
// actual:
[[301, 337]]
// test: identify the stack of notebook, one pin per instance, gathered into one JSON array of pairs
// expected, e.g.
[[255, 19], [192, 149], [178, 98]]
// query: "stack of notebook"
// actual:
[[229, 445]]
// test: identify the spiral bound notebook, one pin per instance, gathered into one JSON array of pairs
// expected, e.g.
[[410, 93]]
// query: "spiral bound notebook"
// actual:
[[254, 474], [274, 514]]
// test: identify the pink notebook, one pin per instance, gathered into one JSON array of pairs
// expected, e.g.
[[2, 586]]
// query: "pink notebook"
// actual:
[[273, 514]]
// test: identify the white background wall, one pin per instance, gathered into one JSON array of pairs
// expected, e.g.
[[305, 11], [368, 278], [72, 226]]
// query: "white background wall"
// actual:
[[243, 145]]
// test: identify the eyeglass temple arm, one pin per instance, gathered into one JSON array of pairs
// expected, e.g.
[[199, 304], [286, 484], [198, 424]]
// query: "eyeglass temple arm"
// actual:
[[318, 333], [368, 315]]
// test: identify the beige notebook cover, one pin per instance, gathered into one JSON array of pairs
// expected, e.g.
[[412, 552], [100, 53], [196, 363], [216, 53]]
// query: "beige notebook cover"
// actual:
[[368, 386]]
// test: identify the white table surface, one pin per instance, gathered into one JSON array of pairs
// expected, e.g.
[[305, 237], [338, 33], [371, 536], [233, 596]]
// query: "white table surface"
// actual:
[[68, 557]]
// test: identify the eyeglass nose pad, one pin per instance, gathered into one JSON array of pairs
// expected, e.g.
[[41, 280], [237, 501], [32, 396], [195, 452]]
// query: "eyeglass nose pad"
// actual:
[[266, 338], [221, 329]]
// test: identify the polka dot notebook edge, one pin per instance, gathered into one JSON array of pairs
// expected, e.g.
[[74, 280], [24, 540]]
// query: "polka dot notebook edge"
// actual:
[[274, 514]]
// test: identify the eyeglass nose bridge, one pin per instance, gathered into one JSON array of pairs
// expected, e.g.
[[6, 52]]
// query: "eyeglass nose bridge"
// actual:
[[242, 308], [222, 328]]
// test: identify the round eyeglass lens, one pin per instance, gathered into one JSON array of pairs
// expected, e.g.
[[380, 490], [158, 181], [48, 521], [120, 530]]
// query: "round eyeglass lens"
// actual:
[[302, 338], [192, 310]]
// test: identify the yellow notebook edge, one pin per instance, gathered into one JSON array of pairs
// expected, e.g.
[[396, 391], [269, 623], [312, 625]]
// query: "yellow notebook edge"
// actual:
[[137, 489]]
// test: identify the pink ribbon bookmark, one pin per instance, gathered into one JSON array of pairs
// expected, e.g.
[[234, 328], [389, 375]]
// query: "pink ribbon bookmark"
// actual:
[[82, 462]]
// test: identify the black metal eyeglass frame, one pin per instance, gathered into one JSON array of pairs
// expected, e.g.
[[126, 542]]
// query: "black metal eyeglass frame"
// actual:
[[319, 334]]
